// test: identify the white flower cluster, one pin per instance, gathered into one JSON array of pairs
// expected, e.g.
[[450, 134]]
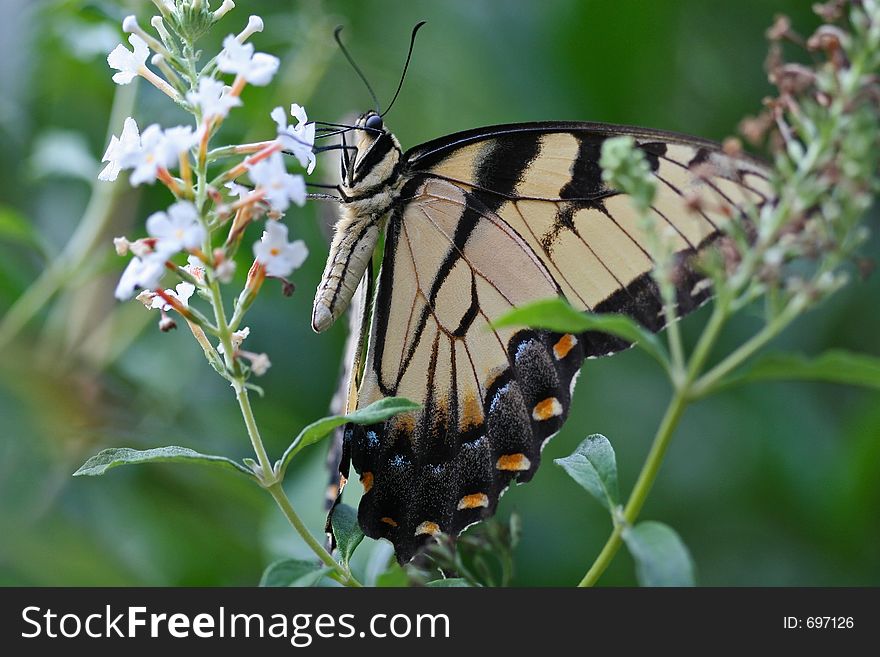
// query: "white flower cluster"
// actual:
[[179, 157]]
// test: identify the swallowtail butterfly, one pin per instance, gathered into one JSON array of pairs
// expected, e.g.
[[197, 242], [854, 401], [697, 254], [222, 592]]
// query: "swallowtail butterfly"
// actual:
[[476, 223]]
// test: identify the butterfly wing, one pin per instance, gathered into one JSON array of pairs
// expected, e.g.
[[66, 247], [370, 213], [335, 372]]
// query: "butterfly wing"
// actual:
[[489, 220]]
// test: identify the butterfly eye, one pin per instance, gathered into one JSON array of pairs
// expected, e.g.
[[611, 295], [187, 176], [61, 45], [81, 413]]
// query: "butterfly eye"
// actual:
[[374, 123]]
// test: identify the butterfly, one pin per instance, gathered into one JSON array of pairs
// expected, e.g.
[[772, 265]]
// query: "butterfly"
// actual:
[[477, 223]]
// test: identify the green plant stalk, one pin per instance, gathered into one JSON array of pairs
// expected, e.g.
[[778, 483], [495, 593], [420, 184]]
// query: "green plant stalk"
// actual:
[[642, 487], [682, 395], [266, 475], [340, 574], [276, 489], [706, 384]]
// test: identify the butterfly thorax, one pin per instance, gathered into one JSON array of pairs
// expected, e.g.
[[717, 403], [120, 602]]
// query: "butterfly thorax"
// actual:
[[371, 183]]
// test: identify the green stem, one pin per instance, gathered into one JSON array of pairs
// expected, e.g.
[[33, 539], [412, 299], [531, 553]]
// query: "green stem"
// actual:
[[681, 397], [673, 334], [642, 487], [244, 403], [267, 475], [342, 575], [271, 483], [706, 383]]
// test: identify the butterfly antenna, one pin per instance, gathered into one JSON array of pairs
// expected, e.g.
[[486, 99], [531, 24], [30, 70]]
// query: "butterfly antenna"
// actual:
[[412, 43], [356, 67]]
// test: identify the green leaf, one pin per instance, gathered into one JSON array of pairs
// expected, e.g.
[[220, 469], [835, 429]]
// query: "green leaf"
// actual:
[[836, 366], [448, 583], [557, 315], [15, 227], [112, 458], [660, 555], [594, 467], [346, 530], [378, 411], [394, 577], [292, 572]]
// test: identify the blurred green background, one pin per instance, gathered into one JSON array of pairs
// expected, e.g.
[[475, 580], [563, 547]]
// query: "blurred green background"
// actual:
[[775, 484]]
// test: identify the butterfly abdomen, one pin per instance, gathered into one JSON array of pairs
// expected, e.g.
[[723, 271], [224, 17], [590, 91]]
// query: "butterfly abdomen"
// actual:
[[350, 253]]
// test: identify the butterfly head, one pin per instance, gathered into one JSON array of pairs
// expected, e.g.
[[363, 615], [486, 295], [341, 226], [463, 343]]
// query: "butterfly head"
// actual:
[[370, 155]]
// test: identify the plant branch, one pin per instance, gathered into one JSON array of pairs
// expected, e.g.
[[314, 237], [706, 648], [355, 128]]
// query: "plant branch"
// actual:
[[643, 485], [340, 573]]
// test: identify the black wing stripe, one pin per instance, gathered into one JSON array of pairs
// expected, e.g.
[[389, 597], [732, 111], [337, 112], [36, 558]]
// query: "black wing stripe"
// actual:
[[741, 182], [674, 227], [601, 208], [549, 257], [681, 194], [463, 257]]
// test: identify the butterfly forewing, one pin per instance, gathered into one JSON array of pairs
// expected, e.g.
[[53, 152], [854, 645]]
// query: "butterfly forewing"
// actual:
[[488, 220]]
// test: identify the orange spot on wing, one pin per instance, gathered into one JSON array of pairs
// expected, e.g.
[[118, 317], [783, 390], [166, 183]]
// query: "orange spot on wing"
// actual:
[[547, 408], [388, 521], [405, 422], [565, 344], [367, 481], [473, 501], [427, 527], [513, 462], [471, 411]]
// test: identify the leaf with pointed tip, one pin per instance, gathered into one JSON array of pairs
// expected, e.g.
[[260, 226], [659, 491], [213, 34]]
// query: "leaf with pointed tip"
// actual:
[[292, 572], [594, 467], [662, 559], [114, 457], [557, 315], [347, 531], [378, 411]]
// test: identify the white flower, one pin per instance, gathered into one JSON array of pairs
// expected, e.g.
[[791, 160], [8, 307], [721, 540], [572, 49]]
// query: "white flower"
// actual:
[[140, 273], [195, 268], [240, 58], [178, 141], [182, 292], [128, 142], [122, 245], [129, 63], [143, 247], [159, 150], [298, 139], [238, 190], [237, 338], [275, 253], [225, 271], [260, 364], [211, 99], [278, 186], [147, 160], [178, 229]]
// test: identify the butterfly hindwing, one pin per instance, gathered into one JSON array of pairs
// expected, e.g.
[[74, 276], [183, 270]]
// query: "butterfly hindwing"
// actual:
[[486, 221]]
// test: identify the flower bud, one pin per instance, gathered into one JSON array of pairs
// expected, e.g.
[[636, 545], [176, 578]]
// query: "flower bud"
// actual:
[[224, 9], [255, 24]]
